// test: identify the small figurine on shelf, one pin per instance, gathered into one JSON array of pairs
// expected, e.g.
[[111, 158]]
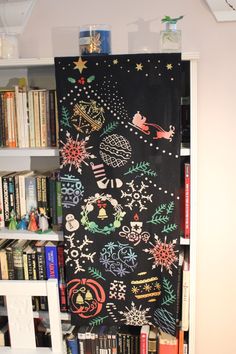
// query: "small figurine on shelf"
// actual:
[[13, 222], [43, 221], [170, 38], [23, 223], [32, 221]]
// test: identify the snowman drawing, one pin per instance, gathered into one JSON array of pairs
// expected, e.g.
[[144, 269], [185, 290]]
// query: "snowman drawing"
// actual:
[[71, 223]]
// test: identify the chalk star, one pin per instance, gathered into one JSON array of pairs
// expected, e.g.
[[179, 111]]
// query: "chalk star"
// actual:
[[80, 65], [169, 66], [139, 67], [115, 61]]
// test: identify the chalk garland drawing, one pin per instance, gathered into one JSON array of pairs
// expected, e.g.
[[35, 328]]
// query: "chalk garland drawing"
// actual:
[[103, 182], [117, 290], [118, 258], [163, 254], [101, 200], [146, 288], [71, 223], [75, 152], [135, 233], [97, 321], [141, 167]]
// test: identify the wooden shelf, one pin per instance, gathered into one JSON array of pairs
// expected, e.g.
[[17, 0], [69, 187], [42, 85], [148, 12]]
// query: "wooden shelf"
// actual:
[[29, 235], [28, 152], [26, 62]]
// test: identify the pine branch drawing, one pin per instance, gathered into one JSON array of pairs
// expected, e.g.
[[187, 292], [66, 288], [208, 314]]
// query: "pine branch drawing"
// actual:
[[65, 117], [161, 219], [169, 228], [170, 295], [170, 208], [142, 167], [95, 273], [109, 128], [97, 321]]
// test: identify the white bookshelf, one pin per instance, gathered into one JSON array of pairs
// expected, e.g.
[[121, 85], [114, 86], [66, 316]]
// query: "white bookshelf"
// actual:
[[28, 152], [29, 235]]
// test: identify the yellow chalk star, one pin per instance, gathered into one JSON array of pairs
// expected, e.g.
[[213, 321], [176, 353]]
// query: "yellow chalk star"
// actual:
[[115, 61], [169, 66], [139, 67], [80, 65]]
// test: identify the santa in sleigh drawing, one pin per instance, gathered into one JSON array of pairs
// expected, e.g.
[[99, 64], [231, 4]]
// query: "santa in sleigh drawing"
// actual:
[[140, 122]]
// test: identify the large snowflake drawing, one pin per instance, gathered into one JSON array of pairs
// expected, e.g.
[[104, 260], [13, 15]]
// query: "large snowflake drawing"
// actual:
[[135, 316], [163, 254], [75, 152], [77, 252], [136, 195]]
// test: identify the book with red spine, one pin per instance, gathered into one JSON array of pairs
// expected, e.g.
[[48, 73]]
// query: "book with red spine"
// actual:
[[62, 281], [187, 200], [144, 333]]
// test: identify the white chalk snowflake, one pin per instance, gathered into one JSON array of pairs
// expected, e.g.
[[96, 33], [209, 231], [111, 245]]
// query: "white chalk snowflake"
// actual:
[[75, 152], [77, 253], [135, 316], [136, 195]]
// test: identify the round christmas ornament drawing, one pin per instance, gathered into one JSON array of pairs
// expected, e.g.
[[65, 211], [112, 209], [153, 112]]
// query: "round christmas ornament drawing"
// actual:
[[118, 258], [115, 150], [86, 297], [72, 191], [98, 206]]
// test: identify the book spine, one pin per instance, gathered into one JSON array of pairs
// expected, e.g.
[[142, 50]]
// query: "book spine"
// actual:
[[2, 221], [52, 118], [11, 191], [18, 263], [187, 200], [43, 118], [51, 262], [31, 119], [31, 275], [62, 282], [1, 121], [185, 297], [36, 119], [30, 193], [39, 191], [10, 264], [17, 197], [143, 343], [72, 345], [59, 202], [41, 275], [6, 199], [52, 200], [4, 266]]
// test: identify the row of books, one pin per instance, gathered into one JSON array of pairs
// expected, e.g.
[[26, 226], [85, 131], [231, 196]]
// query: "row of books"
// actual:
[[27, 191], [124, 340], [28, 118], [34, 260]]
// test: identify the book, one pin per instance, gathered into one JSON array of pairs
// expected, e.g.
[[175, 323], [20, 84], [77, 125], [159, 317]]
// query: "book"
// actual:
[[22, 191], [185, 292], [2, 218], [10, 261], [153, 340], [41, 270], [30, 266], [72, 344], [6, 202], [62, 281], [4, 332], [144, 332], [168, 344], [30, 192], [17, 252], [3, 259], [181, 341], [187, 200], [43, 118], [81, 339], [51, 260]]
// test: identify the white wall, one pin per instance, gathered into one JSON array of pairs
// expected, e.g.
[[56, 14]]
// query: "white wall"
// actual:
[[216, 43]]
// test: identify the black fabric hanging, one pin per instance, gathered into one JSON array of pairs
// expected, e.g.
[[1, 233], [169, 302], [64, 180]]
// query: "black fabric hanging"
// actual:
[[120, 172]]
